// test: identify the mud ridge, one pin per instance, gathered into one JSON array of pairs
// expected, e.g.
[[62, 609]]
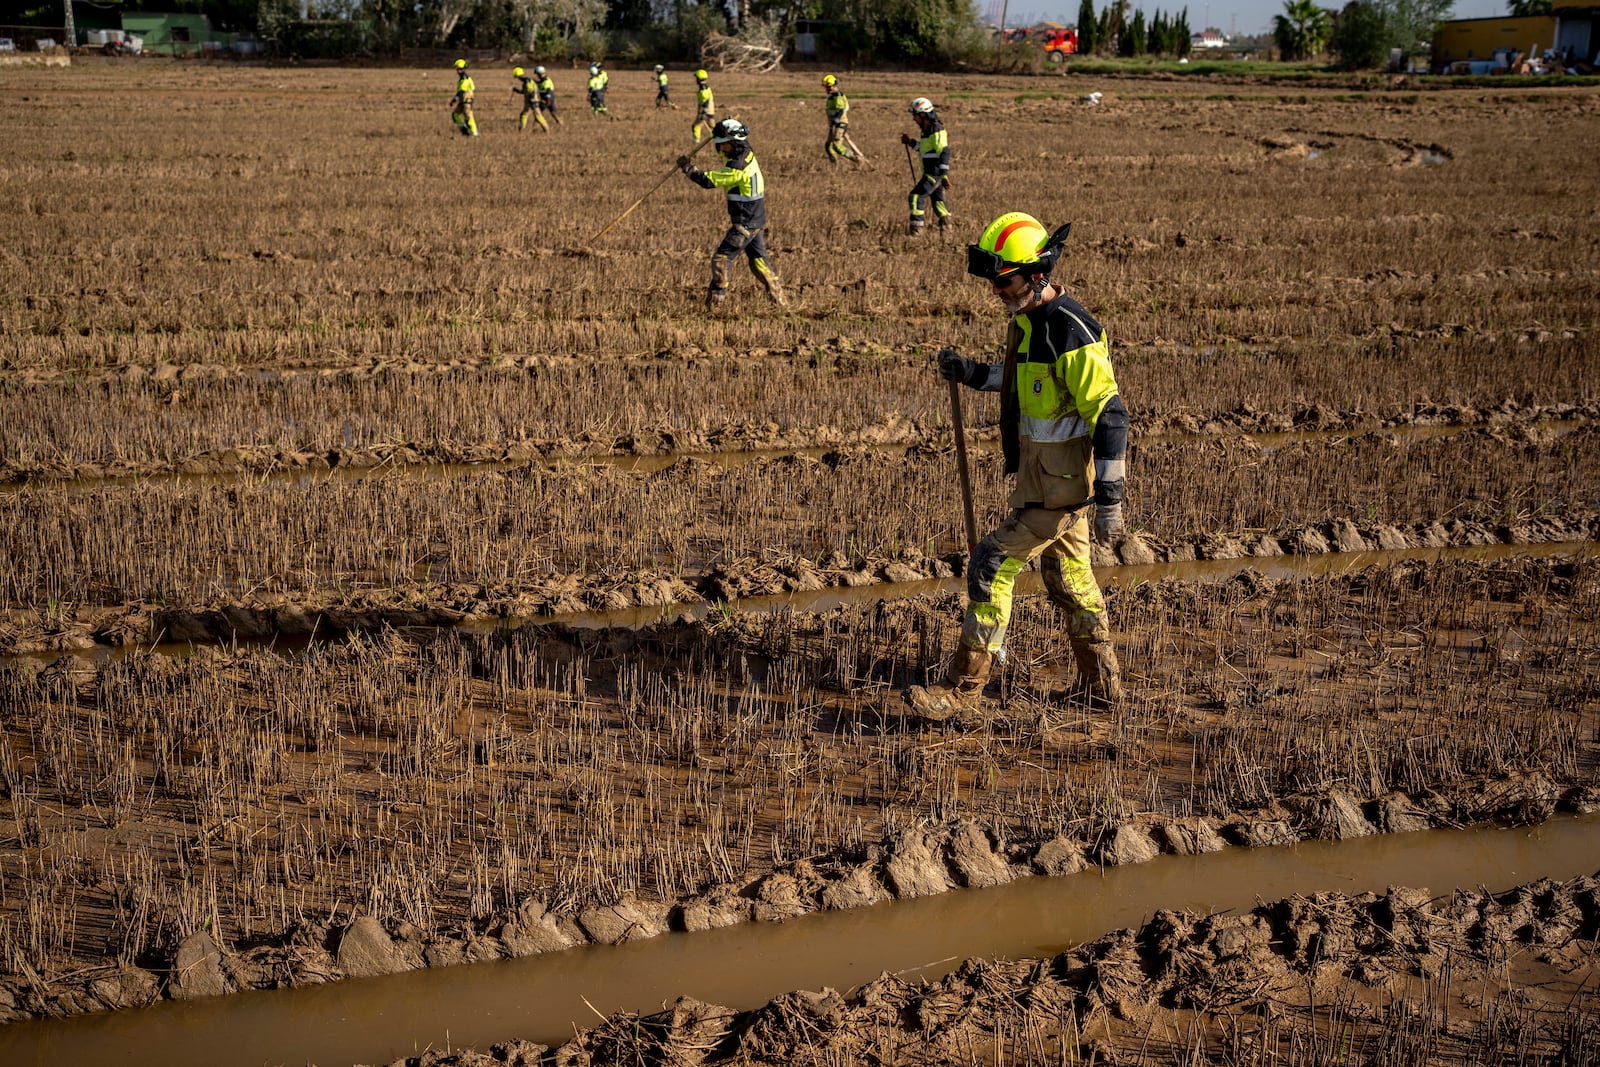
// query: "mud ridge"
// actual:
[[919, 861], [1401, 972], [751, 436], [82, 628]]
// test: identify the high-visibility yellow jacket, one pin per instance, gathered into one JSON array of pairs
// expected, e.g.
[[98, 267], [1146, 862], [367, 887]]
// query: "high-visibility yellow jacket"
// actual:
[[1059, 408], [598, 82], [547, 90], [708, 107], [661, 79], [465, 88], [934, 148], [747, 189], [838, 107]]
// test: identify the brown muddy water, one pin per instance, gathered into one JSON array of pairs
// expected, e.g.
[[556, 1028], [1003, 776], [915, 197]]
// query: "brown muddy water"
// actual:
[[1287, 567], [544, 997]]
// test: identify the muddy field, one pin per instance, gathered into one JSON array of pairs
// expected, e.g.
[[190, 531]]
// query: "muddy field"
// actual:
[[298, 379]]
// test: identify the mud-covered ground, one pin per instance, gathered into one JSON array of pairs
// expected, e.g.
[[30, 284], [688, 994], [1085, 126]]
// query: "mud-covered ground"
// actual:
[[1402, 977], [253, 413]]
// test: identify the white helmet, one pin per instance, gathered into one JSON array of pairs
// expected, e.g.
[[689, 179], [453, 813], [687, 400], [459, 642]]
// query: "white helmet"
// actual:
[[538, 71], [594, 68], [922, 106]]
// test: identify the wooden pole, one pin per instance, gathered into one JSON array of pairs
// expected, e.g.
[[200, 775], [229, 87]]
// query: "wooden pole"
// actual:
[[961, 465], [629, 209]]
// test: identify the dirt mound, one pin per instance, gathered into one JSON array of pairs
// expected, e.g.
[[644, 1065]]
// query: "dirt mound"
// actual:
[[1468, 977]]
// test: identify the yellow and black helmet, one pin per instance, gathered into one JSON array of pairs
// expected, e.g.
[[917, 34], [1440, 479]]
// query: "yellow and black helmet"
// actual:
[[516, 72], [701, 75], [461, 64], [1012, 242], [829, 81]]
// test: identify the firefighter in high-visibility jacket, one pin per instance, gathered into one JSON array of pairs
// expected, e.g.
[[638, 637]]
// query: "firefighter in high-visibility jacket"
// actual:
[[663, 94], [934, 147], [598, 80], [528, 89], [461, 102], [547, 94], [1064, 433], [838, 146], [705, 113], [740, 175]]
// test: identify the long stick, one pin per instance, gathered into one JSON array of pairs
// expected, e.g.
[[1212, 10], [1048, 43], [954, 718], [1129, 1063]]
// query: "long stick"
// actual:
[[629, 209], [961, 464], [851, 142], [914, 175]]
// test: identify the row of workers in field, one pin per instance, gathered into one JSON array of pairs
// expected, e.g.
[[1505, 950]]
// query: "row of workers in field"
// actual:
[[538, 94], [933, 145], [1063, 424]]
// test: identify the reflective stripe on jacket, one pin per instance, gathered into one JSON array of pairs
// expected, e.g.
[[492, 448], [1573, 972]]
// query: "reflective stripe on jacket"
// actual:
[[703, 97], [1058, 360], [934, 147], [838, 108], [747, 189]]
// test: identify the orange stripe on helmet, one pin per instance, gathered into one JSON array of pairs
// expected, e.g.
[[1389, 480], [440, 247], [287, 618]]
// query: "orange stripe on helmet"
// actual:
[[1005, 234]]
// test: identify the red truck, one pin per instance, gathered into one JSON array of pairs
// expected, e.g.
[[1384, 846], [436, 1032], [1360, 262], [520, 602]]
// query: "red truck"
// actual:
[[1059, 44]]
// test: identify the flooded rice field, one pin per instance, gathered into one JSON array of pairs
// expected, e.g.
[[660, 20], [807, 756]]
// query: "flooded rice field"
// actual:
[[399, 579]]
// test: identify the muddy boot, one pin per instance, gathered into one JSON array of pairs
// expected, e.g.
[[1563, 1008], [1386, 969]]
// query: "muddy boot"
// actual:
[[714, 298], [1100, 678], [958, 691], [914, 227], [944, 224], [770, 280]]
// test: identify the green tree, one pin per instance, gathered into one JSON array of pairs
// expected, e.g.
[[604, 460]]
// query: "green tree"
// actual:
[[1528, 7], [1086, 28], [1411, 22], [1360, 37], [1136, 41], [1301, 31]]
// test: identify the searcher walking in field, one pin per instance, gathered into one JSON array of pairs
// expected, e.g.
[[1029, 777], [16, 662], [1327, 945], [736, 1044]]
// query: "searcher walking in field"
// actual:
[[598, 80], [933, 146], [461, 102], [839, 146], [663, 94], [1064, 433], [705, 114], [529, 91], [547, 94], [740, 175]]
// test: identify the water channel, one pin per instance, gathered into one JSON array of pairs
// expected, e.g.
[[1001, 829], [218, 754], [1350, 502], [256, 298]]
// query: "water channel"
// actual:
[[543, 998]]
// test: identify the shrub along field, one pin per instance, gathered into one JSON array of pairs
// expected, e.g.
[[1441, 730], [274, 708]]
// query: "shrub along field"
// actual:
[[280, 344]]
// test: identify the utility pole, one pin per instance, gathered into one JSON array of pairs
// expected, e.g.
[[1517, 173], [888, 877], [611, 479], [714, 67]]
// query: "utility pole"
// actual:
[[71, 31], [1000, 45]]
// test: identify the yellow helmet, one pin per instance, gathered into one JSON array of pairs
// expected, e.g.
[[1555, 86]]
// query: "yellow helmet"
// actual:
[[1013, 241], [516, 72], [829, 80], [461, 64], [701, 75]]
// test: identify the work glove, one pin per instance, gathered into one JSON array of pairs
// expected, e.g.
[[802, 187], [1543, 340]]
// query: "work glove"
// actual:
[[1108, 528], [944, 182], [908, 140], [953, 366], [685, 164]]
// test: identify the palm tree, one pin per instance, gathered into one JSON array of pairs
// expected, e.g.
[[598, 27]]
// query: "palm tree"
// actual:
[[1302, 29]]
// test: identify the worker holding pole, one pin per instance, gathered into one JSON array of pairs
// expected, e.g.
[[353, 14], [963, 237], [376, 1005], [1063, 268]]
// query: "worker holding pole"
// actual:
[[1064, 432], [839, 146], [740, 175], [933, 146]]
